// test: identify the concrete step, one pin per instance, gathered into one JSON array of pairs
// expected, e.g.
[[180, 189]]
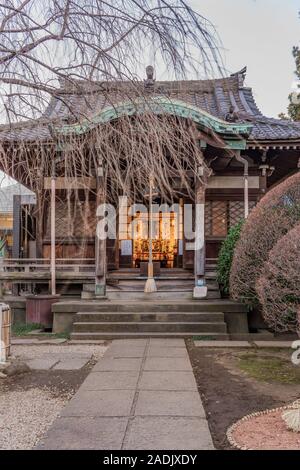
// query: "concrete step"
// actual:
[[162, 285], [127, 335], [151, 305], [161, 277], [148, 327], [159, 295], [149, 316]]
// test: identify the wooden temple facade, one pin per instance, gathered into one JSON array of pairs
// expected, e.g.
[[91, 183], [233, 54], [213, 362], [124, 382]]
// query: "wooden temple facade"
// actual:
[[258, 152]]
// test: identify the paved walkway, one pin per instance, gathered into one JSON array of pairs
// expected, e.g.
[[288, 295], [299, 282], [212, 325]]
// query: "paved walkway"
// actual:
[[141, 395]]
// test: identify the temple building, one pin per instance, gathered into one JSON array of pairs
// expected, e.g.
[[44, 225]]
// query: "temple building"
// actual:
[[246, 153]]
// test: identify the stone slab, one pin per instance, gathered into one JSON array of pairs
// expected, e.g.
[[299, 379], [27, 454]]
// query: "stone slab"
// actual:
[[125, 351], [158, 351], [38, 341], [24, 341], [111, 381], [53, 341], [222, 344], [87, 341], [200, 292], [118, 364], [274, 344], [70, 364], [84, 433], [156, 433], [167, 363], [130, 342], [167, 342], [42, 363], [169, 403], [155, 380], [100, 403]]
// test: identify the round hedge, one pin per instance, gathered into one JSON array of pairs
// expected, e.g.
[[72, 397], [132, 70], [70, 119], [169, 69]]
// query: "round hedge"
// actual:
[[276, 213], [278, 287]]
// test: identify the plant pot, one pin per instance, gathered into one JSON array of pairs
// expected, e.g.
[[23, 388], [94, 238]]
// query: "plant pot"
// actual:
[[39, 309]]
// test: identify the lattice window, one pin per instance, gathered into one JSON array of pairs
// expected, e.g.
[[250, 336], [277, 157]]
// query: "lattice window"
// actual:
[[221, 215]]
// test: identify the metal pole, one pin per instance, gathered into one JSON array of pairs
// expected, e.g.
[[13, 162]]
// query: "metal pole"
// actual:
[[52, 256]]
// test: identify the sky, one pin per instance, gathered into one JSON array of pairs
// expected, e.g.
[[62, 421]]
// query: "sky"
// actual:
[[260, 34]]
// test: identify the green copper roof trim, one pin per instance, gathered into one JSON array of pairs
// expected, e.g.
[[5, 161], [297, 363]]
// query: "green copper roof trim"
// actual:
[[160, 105], [236, 144]]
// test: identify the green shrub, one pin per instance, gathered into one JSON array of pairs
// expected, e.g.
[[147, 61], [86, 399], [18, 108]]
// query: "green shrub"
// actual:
[[226, 256]]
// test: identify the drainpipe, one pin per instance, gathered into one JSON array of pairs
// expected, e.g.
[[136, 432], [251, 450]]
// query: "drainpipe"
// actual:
[[246, 185]]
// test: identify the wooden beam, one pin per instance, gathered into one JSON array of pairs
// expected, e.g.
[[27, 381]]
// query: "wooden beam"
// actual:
[[62, 182]]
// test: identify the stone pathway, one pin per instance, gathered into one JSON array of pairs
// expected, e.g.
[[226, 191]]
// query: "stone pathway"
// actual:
[[141, 395], [59, 361]]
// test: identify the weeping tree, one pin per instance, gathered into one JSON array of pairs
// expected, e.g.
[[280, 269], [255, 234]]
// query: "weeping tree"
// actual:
[[129, 149], [51, 46], [47, 41]]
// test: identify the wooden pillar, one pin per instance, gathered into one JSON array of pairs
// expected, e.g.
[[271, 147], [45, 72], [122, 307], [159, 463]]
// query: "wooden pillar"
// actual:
[[245, 163], [199, 259], [262, 184], [39, 215], [100, 244], [16, 226], [52, 234]]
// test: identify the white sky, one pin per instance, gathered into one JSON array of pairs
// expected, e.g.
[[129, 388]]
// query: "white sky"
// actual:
[[261, 35]]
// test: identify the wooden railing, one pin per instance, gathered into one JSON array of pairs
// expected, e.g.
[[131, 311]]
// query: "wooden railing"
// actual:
[[34, 269]]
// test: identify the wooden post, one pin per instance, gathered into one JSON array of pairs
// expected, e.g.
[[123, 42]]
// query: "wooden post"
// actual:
[[16, 226], [16, 248], [150, 285], [200, 289], [100, 245], [199, 257], [52, 224], [244, 161]]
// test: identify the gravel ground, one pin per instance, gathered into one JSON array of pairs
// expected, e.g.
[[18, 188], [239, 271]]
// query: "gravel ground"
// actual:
[[29, 403], [26, 415], [266, 432]]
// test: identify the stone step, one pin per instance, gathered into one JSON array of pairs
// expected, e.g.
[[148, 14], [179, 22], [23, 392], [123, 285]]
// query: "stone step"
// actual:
[[148, 327], [150, 316], [159, 295], [151, 305], [183, 285], [127, 335], [161, 277], [161, 284]]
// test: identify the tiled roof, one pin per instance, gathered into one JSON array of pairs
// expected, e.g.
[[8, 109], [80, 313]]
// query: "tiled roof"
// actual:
[[84, 100]]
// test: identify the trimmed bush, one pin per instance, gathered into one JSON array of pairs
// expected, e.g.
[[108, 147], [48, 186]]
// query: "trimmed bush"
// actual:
[[276, 213], [226, 256], [278, 287]]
